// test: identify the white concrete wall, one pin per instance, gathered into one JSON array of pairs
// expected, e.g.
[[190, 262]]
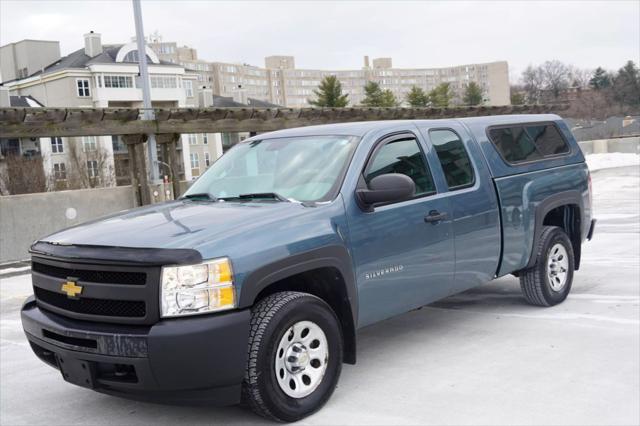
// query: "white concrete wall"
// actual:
[[601, 146], [25, 218]]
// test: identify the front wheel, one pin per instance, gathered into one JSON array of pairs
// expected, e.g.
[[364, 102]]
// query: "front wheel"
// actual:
[[549, 281], [295, 356]]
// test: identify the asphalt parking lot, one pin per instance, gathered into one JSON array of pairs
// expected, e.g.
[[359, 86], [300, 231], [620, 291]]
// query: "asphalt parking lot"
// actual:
[[481, 357]]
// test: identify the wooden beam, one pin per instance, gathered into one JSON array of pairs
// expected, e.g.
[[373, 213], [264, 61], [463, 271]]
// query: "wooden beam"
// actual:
[[48, 122], [132, 142], [168, 143]]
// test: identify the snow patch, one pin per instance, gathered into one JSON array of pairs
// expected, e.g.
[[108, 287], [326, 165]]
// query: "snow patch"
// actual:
[[612, 159], [6, 271]]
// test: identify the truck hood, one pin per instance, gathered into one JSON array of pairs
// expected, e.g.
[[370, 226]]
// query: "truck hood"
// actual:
[[177, 224]]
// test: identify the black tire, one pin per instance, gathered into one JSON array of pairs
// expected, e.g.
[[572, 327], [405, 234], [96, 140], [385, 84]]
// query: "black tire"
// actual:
[[535, 282], [270, 319]]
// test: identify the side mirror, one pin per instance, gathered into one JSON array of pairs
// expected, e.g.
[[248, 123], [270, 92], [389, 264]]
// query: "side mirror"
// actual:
[[385, 189]]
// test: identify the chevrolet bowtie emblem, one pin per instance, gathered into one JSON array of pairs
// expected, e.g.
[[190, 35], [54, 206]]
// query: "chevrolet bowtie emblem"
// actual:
[[71, 289]]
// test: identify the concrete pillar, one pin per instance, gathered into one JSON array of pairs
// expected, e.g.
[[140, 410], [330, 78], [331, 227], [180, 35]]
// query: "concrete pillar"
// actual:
[[217, 143], [186, 158], [600, 146]]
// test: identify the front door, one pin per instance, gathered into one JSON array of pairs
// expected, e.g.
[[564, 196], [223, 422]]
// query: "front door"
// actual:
[[403, 251]]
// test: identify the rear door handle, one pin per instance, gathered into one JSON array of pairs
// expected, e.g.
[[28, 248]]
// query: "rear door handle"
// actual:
[[435, 216]]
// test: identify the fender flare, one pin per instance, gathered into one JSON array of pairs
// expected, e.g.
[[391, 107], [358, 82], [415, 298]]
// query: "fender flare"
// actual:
[[572, 197], [335, 256]]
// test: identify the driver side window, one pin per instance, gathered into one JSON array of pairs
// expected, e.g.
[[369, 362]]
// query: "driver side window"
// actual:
[[402, 156]]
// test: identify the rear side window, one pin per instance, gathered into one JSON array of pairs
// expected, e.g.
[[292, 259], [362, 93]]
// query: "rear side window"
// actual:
[[453, 158], [405, 157], [531, 142]]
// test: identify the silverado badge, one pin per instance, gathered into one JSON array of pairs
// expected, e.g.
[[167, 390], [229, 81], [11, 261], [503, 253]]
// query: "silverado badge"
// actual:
[[71, 289]]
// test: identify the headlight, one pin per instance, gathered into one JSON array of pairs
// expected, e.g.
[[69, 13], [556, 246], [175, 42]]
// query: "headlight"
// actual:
[[197, 289]]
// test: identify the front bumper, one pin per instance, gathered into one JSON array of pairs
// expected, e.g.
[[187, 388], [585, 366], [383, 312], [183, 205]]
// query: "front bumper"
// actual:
[[199, 359]]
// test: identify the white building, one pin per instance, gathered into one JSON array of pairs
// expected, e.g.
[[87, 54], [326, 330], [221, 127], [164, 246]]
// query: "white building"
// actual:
[[102, 76]]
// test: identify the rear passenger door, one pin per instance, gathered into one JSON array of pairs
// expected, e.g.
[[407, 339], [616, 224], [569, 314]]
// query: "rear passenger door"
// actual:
[[464, 176]]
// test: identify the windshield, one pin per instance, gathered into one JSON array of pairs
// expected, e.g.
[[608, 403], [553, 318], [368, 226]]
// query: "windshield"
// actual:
[[303, 169]]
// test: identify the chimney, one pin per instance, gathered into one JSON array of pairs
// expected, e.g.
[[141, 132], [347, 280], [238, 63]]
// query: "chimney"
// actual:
[[366, 61], [206, 98], [92, 44]]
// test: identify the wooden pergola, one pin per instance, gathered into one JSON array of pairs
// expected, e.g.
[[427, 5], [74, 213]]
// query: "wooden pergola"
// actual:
[[170, 123]]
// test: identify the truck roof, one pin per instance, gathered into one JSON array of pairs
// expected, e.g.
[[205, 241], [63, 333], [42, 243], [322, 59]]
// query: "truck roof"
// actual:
[[360, 128]]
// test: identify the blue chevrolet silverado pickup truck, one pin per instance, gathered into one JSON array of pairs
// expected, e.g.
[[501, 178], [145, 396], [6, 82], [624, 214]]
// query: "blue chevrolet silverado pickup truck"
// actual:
[[252, 285]]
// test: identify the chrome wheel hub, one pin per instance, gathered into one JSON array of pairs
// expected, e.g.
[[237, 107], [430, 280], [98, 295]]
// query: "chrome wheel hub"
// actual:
[[301, 359], [557, 267]]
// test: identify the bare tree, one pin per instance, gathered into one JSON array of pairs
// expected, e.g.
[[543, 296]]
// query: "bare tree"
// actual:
[[90, 168], [533, 83], [580, 77], [22, 175], [556, 76]]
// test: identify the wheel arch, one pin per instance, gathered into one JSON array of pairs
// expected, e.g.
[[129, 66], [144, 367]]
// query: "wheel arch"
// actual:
[[324, 272], [564, 210]]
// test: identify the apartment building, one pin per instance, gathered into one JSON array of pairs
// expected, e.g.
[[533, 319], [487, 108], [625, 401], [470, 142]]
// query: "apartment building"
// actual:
[[185, 56], [281, 83], [493, 78], [102, 75]]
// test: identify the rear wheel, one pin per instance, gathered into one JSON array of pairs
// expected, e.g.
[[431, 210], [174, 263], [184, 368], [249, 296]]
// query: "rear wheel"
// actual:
[[549, 281], [295, 356]]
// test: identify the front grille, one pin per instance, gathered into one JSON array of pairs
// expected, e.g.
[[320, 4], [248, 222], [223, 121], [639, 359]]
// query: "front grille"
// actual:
[[111, 277], [89, 306]]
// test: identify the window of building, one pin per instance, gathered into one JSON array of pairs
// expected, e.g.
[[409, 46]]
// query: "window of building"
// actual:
[[205, 138], [118, 81], [89, 143], [92, 169], [188, 88], [453, 157], [133, 56], [83, 87], [59, 171], [402, 156], [195, 164], [207, 159], [519, 144], [56, 145], [192, 138], [163, 82], [117, 144]]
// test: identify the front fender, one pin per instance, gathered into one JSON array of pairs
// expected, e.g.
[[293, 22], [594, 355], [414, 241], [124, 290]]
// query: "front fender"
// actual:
[[334, 256]]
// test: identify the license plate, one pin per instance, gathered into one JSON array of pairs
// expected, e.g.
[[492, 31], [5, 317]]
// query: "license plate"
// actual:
[[76, 371]]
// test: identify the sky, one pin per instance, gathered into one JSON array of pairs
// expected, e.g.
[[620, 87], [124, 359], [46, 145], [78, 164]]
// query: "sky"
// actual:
[[337, 34]]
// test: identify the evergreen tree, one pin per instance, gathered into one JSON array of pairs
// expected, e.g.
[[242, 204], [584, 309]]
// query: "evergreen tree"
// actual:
[[600, 80], [389, 99], [329, 94], [372, 94], [417, 97], [626, 85], [441, 96], [472, 94]]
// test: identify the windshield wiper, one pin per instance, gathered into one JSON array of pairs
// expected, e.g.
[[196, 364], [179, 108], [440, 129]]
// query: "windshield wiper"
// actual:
[[199, 195], [273, 195]]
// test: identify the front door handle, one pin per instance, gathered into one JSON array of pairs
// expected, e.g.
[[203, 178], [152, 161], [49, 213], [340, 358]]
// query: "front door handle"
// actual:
[[435, 216]]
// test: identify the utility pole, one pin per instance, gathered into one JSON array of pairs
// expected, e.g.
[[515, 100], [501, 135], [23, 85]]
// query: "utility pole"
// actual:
[[146, 94]]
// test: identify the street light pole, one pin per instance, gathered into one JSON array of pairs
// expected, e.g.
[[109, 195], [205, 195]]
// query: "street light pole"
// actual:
[[146, 93]]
